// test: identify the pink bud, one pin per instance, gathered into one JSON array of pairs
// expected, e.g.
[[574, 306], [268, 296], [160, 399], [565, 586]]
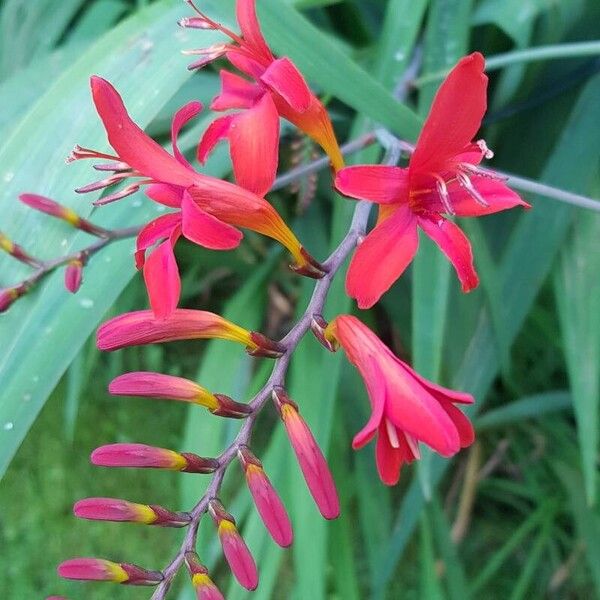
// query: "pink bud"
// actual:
[[310, 458], [74, 275], [7, 297], [17, 251], [113, 509], [236, 552], [203, 584], [268, 503], [98, 569], [150, 457]]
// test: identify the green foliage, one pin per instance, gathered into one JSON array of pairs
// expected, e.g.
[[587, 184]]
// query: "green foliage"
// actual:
[[526, 344]]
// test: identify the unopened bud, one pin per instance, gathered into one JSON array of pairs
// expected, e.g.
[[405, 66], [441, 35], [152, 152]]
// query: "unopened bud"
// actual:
[[263, 346], [310, 458], [9, 295], [267, 501], [309, 266], [98, 569], [141, 456], [203, 584], [114, 509], [74, 275], [54, 209], [236, 552], [17, 251]]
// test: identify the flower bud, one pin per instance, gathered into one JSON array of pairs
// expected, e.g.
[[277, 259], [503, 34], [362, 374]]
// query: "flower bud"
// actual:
[[268, 503], [309, 267], [310, 458], [156, 385], [74, 275], [113, 509], [98, 569], [150, 457], [9, 295], [142, 327], [17, 251], [54, 209], [203, 584], [236, 552]]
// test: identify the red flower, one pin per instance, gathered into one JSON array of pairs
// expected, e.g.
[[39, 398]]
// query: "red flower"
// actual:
[[277, 88], [209, 210], [407, 409], [442, 178]]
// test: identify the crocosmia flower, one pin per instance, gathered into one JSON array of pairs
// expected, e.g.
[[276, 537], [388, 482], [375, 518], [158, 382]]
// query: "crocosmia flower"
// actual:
[[269, 89], [443, 178], [208, 210], [406, 408]]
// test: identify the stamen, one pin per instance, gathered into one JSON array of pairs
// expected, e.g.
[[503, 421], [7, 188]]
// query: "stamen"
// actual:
[[213, 24], [195, 23], [442, 190], [103, 183], [413, 444], [217, 49], [113, 166], [79, 153], [486, 152], [392, 434], [464, 180], [126, 191]]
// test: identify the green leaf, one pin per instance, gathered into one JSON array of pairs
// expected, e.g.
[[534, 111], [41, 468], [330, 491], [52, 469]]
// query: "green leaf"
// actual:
[[430, 587], [577, 289]]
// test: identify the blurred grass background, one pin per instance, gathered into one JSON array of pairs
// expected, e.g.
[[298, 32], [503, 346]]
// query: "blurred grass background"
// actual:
[[514, 517]]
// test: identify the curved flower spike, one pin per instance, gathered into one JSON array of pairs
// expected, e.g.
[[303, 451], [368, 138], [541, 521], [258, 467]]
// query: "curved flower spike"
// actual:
[[114, 509], [209, 210], [236, 552], [443, 177], [142, 327], [275, 88], [98, 569], [310, 458], [141, 456], [406, 408], [268, 503], [203, 584], [156, 385]]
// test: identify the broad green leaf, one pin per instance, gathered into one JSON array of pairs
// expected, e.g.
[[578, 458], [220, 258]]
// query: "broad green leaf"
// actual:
[[577, 289], [140, 53], [430, 587]]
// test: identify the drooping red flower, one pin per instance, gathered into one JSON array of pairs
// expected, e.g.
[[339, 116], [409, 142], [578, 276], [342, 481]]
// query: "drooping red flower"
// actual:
[[275, 88], [443, 178], [208, 210], [406, 408]]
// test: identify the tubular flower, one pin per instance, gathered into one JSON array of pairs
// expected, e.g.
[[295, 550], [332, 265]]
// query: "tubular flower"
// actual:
[[157, 385], [406, 408], [142, 327], [310, 458], [443, 177], [268, 502], [209, 210], [98, 569], [114, 509], [203, 584], [275, 88], [141, 456], [236, 552]]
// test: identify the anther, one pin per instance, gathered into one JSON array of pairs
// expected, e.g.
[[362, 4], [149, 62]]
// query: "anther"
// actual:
[[442, 190], [464, 180]]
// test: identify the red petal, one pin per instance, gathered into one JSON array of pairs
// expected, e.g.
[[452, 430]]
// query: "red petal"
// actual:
[[236, 92], [389, 459], [455, 116], [181, 117], [132, 145], [456, 246], [162, 280], [377, 183], [382, 257], [156, 230], [246, 17], [440, 393], [204, 229], [254, 145], [375, 383], [218, 130], [246, 64], [464, 427], [496, 193], [283, 77], [163, 193]]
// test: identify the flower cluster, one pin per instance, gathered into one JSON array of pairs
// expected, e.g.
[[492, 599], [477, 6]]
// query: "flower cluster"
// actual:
[[443, 179]]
